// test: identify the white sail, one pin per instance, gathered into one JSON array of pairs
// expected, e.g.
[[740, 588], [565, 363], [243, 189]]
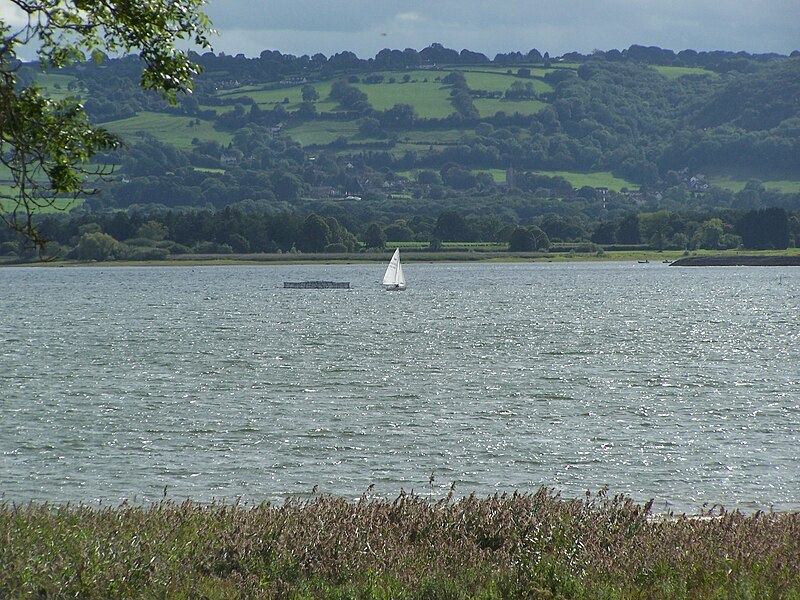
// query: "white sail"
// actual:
[[401, 279], [394, 279]]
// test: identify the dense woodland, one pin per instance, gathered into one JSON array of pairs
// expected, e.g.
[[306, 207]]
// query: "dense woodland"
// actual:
[[310, 154]]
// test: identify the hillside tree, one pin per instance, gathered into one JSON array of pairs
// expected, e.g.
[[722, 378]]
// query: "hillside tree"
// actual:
[[374, 237], [765, 228], [47, 143]]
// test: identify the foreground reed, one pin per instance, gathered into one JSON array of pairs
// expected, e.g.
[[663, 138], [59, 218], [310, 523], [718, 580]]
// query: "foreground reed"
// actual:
[[510, 546]]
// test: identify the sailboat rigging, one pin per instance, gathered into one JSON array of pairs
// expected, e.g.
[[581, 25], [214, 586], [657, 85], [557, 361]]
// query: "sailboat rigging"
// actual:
[[394, 279]]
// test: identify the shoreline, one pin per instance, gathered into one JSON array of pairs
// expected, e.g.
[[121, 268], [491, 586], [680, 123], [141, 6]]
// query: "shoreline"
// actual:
[[709, 510], [672, 258], [738, 261]]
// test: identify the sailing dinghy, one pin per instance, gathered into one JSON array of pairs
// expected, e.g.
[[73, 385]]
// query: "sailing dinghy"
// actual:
[[393, 279]]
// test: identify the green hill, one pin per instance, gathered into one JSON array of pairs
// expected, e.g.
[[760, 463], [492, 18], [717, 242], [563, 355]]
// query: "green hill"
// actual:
[[583, 114], [577, 145]]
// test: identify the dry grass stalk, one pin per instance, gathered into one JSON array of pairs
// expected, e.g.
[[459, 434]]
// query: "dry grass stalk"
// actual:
[[500, 546]]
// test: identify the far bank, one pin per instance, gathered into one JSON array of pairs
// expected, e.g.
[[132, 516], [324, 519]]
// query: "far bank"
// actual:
[[790, 257]]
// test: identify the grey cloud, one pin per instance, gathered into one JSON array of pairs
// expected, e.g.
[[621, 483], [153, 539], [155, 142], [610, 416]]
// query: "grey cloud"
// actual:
[[365, 27]]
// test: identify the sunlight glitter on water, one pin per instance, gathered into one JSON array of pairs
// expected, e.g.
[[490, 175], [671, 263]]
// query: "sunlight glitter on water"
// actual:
[[675, 384]]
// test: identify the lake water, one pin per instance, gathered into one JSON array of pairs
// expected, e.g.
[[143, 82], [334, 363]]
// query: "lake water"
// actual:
[[678, 384]]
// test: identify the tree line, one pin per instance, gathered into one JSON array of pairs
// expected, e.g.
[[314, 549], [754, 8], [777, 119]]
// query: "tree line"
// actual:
[[157, 235]]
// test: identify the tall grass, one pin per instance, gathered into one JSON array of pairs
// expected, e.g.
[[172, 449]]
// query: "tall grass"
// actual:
[[520, 545]]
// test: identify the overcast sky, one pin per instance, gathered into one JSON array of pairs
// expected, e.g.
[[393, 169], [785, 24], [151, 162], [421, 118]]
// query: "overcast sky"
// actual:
[[367, 26], [559, 26]]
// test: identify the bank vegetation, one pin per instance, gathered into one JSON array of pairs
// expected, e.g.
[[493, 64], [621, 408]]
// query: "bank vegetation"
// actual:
[[535, 545]]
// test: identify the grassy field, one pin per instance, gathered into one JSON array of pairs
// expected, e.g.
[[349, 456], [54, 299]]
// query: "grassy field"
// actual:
[[499, 175], [675, 72], [421, 148], [536, 70], [596, 179], [433, 136], [322, 131], [736, 179], [424, 91], [488, 107], [60, 205], [500, 82], [170, 129], [267, 98], [56, 85], [414, 547], [8, 192], [430, 100]]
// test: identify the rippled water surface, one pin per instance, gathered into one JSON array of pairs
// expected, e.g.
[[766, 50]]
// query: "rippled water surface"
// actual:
[[681, 385]]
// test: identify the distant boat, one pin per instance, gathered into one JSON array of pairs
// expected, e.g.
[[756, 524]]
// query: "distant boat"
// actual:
[[644, 262], [393, 279]]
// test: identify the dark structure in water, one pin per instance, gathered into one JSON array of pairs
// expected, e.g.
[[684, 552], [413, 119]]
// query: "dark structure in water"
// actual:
[[317, 285]]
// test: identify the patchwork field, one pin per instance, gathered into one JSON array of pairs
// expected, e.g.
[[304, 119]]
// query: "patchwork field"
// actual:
[[171, 129], [422, 89]]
